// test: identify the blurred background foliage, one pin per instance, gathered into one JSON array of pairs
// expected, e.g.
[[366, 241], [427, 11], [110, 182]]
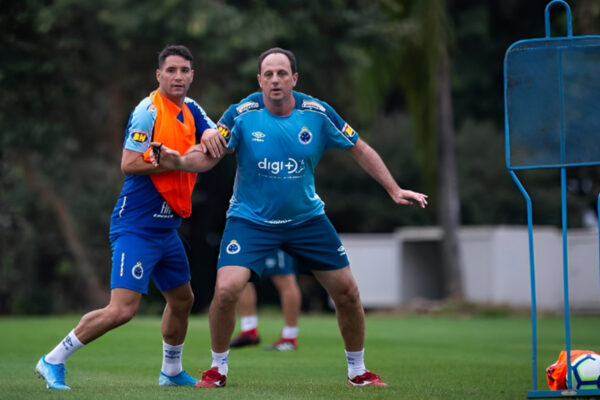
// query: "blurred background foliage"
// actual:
[[71, 71]]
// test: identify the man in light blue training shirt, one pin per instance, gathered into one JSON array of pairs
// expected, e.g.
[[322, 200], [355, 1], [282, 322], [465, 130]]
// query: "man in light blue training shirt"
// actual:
[[280, 136]]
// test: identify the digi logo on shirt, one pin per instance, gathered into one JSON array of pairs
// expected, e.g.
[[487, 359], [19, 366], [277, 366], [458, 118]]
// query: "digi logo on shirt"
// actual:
[[288, 167]]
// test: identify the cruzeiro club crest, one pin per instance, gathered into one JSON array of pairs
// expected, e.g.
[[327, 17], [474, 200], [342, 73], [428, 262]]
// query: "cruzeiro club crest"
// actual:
[[233, 247], [137, 271], [305, 136]]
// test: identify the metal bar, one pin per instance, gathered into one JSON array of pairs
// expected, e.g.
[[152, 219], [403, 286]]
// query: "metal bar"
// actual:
[[524, 167], [531, 278], [567, 12], [563, 195], [569, 393]]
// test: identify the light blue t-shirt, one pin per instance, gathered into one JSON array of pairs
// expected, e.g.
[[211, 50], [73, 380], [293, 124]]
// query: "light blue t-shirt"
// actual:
[[277, 157]]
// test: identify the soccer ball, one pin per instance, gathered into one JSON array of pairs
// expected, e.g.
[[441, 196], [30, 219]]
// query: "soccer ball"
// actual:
[[585, 372]]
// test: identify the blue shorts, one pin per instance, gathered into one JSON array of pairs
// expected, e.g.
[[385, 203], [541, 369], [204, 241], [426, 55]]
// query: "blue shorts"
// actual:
[[314, 244], [139, 256], [279, 263]]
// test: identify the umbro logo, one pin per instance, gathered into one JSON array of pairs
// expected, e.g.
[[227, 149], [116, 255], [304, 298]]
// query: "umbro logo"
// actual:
[[258, 136]]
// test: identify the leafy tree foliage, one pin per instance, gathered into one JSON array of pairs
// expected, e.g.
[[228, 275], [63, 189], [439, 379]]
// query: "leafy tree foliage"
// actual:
[[72, 70]]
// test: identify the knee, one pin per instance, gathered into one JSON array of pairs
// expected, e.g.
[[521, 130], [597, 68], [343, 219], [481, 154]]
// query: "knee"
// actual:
[[189, 301], [183, 304], [290, 293], [348, 296], [286, 285], [353, 294], [120, 315], [126, 314], [227, 294]]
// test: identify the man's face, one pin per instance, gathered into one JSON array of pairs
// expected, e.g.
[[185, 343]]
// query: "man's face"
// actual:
[[276, 79], [175, 77]]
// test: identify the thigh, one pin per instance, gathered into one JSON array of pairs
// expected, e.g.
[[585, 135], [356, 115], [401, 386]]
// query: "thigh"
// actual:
[[232, 279], [179, 295], [284, 282], [125, 299], [337, 282], [133, 261], [246, 244], [173, 269], [316, 245]]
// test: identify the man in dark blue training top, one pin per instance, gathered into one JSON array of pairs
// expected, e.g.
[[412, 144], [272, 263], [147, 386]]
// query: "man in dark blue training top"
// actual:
[[143, 227]]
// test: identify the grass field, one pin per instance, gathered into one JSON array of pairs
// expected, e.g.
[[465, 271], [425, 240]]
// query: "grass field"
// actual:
[[420, 357]]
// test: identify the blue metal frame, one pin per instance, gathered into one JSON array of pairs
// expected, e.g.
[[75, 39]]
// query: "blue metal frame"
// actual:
[[535, 393]]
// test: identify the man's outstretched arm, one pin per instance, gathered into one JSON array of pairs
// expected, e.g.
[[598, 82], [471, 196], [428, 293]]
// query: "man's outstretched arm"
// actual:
[[133, 163], [371, 162], [194, 160]]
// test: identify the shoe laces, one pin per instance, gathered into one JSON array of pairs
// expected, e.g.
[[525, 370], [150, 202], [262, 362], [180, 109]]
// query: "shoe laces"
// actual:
[[251, 333], [367, 376], [60, 368], [212, 374], [371, 375]]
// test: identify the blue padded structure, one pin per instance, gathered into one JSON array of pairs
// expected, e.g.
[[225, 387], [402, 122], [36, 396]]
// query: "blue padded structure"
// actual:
[[553, 102]]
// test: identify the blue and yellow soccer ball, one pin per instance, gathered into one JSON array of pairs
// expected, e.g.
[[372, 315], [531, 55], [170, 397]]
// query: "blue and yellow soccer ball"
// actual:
[[585, 372]]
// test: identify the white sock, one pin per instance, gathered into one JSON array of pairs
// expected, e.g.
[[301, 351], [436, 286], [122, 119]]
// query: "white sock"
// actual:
[[356, 363], [249, 322], [289, 332], [220, 361], [64, 349], [171, 364]]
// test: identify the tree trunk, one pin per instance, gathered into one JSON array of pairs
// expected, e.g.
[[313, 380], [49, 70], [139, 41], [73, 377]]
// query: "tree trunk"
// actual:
[[449, 201], [97, 295]]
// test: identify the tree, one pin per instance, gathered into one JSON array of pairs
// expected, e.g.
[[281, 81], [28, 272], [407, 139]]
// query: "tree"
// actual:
[[437, 120], [66, 89], [419, 62]]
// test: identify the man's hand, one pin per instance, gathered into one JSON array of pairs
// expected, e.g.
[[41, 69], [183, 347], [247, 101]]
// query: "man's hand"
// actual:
[[214, 143], [166, 157], [155, 157], [408, 197]]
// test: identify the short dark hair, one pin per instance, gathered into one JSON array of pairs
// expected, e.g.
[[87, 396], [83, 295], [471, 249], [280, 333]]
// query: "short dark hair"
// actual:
[[174, 50], [275, 50]]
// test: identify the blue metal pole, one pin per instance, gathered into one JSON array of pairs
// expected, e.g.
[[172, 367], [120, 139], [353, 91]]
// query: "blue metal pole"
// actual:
[[531, 278], [563, 195]]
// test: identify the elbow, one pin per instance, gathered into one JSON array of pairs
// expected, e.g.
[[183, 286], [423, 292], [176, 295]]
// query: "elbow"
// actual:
[[128, 161], [126, 168]]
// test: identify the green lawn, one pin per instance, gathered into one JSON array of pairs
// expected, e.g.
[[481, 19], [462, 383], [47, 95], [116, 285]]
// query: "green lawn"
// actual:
[[420, 357]]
